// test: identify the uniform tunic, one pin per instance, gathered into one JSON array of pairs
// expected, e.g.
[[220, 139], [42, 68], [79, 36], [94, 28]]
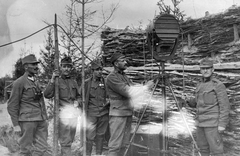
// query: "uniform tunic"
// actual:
[[212, 104], [27, 109], [68, 93], [117, 87], [96, 93], [120, 112], [97, 113]]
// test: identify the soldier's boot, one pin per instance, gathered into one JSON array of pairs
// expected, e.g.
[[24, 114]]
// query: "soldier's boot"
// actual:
[[66, 151], [99, 144], [89, 145]]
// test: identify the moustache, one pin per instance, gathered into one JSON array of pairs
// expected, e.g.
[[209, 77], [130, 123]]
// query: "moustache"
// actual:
[[36, 68]]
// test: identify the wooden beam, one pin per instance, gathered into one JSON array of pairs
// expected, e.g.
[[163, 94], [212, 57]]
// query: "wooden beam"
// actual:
[[189, 41], [222, 66], [236, 35]]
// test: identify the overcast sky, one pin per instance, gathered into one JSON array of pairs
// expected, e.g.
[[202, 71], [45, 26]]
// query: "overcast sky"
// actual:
[[19, 18]]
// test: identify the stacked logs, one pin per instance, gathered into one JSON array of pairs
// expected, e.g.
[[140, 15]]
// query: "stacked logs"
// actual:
[[211, 36]]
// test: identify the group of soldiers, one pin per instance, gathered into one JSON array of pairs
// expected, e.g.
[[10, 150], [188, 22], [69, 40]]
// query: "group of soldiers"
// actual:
[[108, 108]]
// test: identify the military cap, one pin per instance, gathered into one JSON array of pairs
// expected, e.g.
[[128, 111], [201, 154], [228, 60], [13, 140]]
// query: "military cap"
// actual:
[[29, 59], [206, 62], [95, 64], [115, 56], [66, 60]]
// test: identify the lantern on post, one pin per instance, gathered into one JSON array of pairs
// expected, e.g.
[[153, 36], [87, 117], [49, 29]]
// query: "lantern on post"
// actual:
[[162, 37]]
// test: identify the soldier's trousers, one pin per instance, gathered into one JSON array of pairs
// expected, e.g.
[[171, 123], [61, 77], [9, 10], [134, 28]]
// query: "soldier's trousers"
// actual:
[[33, 140], [120, 131], [67, 131], [209, 141], [96, 129]]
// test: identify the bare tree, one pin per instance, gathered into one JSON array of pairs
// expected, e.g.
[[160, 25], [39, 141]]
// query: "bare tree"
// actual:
[[95, 20], [47, 56]]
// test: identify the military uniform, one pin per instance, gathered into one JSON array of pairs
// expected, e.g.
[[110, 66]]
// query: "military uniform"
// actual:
[[212, 104], [97, 113], [68, 93], [120, 112], [27, 109]]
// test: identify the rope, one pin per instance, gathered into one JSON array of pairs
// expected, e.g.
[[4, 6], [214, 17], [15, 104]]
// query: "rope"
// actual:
[[3, 45], [26, 36]]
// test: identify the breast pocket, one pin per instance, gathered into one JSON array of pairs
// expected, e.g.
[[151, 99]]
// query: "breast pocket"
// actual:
[[63, 91], [29, 91], [209, 96], [74, 91]]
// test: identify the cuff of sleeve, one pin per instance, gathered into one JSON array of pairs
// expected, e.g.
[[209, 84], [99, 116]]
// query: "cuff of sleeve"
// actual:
[[15, 124]]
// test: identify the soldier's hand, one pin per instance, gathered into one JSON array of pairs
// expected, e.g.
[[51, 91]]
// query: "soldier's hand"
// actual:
[[221, 129], [17, 130], [75, 104], [54, 75], [150, 84]]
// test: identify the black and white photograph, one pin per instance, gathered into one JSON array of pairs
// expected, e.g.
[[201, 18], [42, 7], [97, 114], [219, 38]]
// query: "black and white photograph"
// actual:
[[119, 77]]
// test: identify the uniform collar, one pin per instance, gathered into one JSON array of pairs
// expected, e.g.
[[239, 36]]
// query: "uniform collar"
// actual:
[[207, 79], [32, 78], [116, 70], [65, 77]]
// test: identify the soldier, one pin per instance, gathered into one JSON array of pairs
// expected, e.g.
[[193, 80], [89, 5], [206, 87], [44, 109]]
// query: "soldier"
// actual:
[[69, 96], [28, 112], [97, 109], [213, 107], [120, 112]]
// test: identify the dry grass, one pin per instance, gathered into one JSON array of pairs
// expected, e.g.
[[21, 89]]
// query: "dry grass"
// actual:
[[8, 138]]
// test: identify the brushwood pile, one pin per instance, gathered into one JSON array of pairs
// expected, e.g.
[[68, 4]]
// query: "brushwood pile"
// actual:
[[210, 36]]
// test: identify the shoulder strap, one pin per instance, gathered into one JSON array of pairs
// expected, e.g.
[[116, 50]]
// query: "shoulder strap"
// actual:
[[89, 83]]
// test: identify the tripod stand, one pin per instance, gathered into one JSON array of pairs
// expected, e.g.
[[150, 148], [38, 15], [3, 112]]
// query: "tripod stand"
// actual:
[[164, 82]]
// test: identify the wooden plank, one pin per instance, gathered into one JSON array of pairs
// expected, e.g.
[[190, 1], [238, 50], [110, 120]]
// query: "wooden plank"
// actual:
[[223, 66]]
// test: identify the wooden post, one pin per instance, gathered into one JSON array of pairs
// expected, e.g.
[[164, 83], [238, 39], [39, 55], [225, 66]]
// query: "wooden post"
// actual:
[[83, 84], [236, 35], [189, 41], [56, 96], [164, 113], [5, 93]]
